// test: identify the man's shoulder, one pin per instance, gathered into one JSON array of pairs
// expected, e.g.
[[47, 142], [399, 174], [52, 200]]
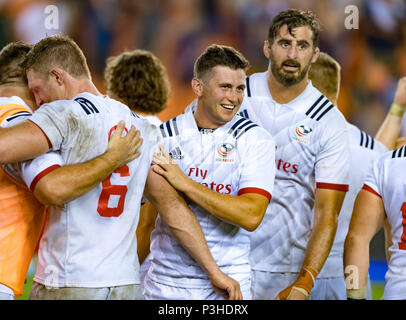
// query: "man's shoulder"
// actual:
[[13, 109], [177, 126], [358, 138], [244, 129]]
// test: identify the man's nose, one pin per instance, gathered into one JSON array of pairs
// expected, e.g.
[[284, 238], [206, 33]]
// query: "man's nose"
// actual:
[[292, 52]]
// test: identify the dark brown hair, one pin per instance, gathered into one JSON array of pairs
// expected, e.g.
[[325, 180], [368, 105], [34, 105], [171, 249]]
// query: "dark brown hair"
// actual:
[[219, 55], [139, 79], [11, 57], [294, 18]]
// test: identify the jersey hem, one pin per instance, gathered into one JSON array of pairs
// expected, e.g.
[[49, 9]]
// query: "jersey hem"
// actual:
[[369, 189], [88, 284], [332, 186]]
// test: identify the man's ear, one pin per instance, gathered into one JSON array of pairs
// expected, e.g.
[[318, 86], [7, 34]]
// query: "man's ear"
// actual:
[[197, 86], [316, 55], [267, 49], [58, 75]]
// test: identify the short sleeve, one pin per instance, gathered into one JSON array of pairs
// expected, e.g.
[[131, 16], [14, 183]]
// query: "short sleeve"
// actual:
[[372, 181], [332, 161], [53, 119], [257, 151], [34, 170]]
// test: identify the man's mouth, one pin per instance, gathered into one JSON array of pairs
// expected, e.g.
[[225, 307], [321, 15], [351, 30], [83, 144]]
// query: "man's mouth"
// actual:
[[228, 106], [290, 66]]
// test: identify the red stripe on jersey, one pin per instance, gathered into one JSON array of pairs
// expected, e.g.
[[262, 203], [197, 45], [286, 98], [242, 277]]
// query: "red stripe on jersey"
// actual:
[[42, 174], [368, 188], [49, 142], [333, 186], [255, 190]]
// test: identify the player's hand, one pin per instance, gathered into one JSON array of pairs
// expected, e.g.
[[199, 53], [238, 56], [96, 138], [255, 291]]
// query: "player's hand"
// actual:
[[124, 149], [400, 94], [300, 289], [167, 168], [226, 286], [292, 293]]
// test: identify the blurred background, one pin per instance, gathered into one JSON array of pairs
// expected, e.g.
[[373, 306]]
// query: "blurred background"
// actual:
[[372, 55]]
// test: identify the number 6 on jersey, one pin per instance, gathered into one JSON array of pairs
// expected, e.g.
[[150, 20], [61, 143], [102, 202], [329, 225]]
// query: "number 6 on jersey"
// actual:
[[108, 190]]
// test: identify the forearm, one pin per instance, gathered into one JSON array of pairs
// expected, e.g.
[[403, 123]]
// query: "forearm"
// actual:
[[146, 225], [22, 142], [389, 131], [238, 210], [327, 208], [182, 222], [356, 261], [72, 181], [187, 231], [320, 241]]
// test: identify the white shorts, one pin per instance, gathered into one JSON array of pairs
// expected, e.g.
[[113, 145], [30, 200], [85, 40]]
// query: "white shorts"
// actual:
[[157, 291], [129, 292], [144, 270], [267, 285], [6, 293], [334, 289]]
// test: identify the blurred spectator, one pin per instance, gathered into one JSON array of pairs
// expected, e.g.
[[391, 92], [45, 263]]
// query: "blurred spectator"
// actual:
[[372, 57]]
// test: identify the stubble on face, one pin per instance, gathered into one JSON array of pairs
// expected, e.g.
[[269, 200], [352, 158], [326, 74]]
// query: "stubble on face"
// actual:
[[290, 71], [288, 79]]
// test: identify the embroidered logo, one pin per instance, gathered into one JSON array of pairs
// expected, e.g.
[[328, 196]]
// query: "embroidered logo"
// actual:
[[176, 154]]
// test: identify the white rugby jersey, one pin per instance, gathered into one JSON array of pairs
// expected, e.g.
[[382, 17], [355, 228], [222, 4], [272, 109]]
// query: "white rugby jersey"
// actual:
[[363, 150], [234, 159], [311, 141], [91, 241], [387, 179], [16, 170]]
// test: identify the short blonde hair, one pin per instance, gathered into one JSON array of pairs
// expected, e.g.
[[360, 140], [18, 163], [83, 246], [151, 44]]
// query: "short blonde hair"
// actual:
[[325, 75], [139, 79], [58, 51]]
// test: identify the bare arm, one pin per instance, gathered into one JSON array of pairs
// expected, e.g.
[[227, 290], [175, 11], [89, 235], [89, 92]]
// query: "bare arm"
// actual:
[[22, 142], [72, 181], [389, 131], [146, 225], [388, 238], [246, 210], [367, 218], [186, 229], [327, 207]]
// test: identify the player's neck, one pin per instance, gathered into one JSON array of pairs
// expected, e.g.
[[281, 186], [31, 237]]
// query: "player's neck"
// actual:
[[203, 120], [84, 85], [282, 94], [18, 90]]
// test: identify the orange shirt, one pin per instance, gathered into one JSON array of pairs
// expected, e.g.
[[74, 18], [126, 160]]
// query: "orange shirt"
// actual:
[[21, 221]]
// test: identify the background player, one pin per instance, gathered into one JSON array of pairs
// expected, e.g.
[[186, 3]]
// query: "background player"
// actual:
[[291, 245], [382, 196], [146, 100], [224, 167], [57, 69], [330, 283], [383, 190], [22, 215]]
